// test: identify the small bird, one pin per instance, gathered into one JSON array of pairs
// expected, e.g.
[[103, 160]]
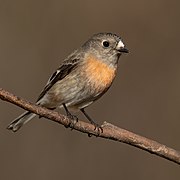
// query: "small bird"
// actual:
[[82, 78]]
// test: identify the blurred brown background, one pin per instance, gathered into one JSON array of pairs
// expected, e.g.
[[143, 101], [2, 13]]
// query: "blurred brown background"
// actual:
[[35, 36]]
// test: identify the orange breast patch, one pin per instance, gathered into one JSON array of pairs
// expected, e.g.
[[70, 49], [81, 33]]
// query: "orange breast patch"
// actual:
[[99, 73]]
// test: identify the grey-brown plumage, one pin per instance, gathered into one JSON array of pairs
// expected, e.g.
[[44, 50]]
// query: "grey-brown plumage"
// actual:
[[83, 77]]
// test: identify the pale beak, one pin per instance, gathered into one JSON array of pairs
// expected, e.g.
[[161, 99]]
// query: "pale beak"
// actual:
[[121, 47]]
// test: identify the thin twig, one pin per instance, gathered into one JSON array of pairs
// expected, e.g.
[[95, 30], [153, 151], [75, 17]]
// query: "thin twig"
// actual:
[[109, 130]]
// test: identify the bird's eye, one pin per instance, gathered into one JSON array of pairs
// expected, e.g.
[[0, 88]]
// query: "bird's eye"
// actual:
[[105, 43]]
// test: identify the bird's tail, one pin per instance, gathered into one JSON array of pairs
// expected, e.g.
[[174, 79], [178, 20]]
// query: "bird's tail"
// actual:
[[20, 121]]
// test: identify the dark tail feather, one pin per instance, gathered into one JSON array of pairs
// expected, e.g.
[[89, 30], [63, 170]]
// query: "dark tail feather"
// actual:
[[20, 121]]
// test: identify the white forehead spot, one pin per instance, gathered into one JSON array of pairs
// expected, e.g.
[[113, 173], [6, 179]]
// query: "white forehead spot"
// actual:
[[120, 44]]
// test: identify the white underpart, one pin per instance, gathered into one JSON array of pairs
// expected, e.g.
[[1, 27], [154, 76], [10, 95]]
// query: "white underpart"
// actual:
[[120, 45]]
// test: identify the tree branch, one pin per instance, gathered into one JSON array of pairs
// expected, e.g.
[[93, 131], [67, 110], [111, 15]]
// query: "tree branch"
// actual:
[[109, 130]]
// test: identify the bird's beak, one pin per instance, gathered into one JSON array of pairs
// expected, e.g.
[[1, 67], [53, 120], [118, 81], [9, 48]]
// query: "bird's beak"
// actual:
[[121, 47], [123, 50]]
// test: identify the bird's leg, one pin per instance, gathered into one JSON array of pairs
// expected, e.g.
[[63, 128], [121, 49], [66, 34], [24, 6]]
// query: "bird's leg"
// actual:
[[71, 116], [97, 126]]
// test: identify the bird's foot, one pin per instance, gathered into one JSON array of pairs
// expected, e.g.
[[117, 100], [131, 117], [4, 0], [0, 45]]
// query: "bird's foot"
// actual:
[[97, 127], [73, 120]]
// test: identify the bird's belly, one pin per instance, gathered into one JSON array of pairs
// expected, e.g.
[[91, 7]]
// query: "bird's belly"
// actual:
[[81, 87]]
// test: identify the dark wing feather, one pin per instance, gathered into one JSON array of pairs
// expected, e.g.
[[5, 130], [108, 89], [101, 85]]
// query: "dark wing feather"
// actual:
[[62, 72]]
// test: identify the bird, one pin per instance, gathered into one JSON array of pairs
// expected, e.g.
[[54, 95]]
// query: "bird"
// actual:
[[82, 78]]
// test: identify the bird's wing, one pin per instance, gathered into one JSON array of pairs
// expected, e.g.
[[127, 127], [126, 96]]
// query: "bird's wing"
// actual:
[[60, 73]]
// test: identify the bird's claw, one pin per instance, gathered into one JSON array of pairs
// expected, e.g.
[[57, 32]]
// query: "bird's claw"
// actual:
[[98, 128], [73, 120]]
